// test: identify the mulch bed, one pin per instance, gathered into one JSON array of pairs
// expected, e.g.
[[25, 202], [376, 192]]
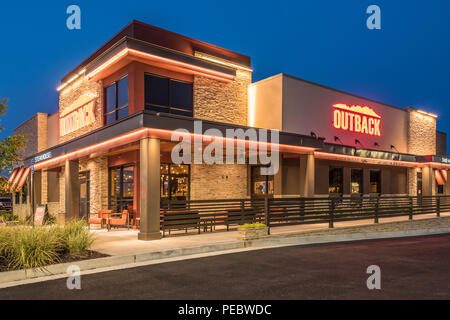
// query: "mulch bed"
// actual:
[[64, 259]]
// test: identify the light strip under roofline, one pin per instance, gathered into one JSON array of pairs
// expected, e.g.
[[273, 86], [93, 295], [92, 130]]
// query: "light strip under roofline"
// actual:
[[149, 132]]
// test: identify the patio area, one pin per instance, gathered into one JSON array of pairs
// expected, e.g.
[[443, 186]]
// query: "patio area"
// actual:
[[122, 242]]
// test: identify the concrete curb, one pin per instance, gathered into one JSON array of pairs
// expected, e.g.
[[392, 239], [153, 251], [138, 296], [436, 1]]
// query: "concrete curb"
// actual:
[[268, 242]]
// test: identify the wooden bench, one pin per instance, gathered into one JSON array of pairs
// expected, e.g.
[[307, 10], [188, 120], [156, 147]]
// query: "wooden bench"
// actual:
[[179, 220], [240, 216]]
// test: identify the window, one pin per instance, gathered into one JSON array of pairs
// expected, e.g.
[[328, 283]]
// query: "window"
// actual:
[[356, 182], [24, 193], [121, 187], [375, 181], [440, 189], [174, 182], [116, 101], [262, 185], [335, 180], [53, 186], [168, 95], [17, 197]]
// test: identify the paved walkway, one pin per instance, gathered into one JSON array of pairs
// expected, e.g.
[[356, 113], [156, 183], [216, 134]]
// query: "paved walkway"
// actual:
[[123, 242]]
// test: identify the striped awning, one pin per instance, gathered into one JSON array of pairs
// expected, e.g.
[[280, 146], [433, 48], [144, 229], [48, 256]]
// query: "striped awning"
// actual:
[[441, 176], [17, 179]]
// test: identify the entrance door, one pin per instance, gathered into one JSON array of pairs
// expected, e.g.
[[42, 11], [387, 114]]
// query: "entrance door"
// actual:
[[84, 195], [419, 183]]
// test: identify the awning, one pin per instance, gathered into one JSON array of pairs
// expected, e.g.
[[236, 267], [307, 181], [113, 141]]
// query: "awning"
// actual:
[[17, 179], [23, 178], [440, 176]]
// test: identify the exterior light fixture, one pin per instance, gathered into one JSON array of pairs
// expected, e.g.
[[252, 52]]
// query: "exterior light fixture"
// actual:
[[427, 113], [313, 134], [394, 148]]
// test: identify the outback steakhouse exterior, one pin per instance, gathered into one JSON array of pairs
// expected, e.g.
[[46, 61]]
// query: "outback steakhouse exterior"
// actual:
[[109, 144]]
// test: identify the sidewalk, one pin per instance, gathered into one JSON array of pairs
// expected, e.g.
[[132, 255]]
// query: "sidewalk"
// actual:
[[118, 242]]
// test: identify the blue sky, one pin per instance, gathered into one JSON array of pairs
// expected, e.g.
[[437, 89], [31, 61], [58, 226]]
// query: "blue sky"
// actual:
[[406, 63]]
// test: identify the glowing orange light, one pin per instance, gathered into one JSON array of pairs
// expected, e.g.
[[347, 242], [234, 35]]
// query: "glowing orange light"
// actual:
[[166, 135], [192, 68], [356, 119]]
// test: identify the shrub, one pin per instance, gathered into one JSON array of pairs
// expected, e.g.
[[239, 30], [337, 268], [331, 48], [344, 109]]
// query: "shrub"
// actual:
[[49, 220], [252, 225], [25, 247], [9, 217], [76, 237]]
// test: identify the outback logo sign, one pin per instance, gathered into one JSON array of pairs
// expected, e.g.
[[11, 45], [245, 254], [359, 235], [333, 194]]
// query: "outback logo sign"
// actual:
[[356, 119], [78, 115]]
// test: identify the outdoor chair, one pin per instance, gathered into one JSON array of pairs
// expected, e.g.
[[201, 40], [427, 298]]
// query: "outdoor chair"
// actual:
[[100, 217], [119, 221]]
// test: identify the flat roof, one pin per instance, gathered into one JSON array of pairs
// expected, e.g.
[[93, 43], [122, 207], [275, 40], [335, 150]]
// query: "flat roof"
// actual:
[[164, 38]]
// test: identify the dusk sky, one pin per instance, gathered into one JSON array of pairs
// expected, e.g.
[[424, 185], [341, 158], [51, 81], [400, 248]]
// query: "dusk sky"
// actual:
[[406, 63]]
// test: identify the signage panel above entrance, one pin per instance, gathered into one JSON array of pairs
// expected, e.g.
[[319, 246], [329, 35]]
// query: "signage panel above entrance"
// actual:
[[355, 118]]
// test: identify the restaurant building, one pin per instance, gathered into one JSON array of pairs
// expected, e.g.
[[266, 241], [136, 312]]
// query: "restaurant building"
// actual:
[[108, 146]]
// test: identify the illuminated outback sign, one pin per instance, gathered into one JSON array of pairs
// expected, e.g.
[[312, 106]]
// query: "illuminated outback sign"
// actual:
[[357, 119], [80, 114]]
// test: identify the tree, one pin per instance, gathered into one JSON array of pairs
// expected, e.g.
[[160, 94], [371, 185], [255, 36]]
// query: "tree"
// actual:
[[10, 148]]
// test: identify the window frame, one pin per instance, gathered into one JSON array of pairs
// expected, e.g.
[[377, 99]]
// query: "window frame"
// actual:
[[116, 110], [341, 184], [169, 107], [361, 187], [121, 198]]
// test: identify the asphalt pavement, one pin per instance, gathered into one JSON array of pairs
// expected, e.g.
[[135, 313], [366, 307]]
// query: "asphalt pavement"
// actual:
[[411, 268]]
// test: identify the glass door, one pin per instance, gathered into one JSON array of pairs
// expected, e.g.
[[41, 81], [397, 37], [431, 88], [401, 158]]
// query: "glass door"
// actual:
[[84, 195], [121, 187]]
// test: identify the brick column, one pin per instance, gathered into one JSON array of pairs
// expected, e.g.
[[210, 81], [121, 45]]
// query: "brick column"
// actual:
[[37, 190], [72, 190], [307, 175], [149, 184]]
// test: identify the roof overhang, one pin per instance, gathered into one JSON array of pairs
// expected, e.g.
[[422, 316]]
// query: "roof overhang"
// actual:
[[127, 50], [150, 124]]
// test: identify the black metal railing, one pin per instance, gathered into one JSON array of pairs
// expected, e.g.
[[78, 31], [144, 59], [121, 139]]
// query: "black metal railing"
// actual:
[[295, 211]]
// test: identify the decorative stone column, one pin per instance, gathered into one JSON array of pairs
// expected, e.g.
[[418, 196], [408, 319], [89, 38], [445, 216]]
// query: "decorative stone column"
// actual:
[[149, 176], [72, 190], [307, 175]]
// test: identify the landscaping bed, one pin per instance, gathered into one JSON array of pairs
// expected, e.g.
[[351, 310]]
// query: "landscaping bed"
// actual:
[[27, 247]]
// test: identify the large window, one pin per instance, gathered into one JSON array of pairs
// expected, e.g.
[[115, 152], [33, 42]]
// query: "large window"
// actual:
[[262, 185], [356, 182], [375, 181], [335, 178], [121, 187], [116, 101], [174, 182], [168, 95]]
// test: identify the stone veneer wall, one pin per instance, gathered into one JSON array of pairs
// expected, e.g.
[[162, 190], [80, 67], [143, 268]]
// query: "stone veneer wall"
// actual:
[[223, 102], [421, 133], [219, 101], [71, 93], [226, 181], [412, 181], [98, 175]]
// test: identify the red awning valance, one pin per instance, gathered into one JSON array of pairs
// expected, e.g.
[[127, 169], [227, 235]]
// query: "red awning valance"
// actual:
[[23, 178]]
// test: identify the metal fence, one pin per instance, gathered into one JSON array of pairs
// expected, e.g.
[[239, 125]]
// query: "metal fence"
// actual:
[[206, 215]]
